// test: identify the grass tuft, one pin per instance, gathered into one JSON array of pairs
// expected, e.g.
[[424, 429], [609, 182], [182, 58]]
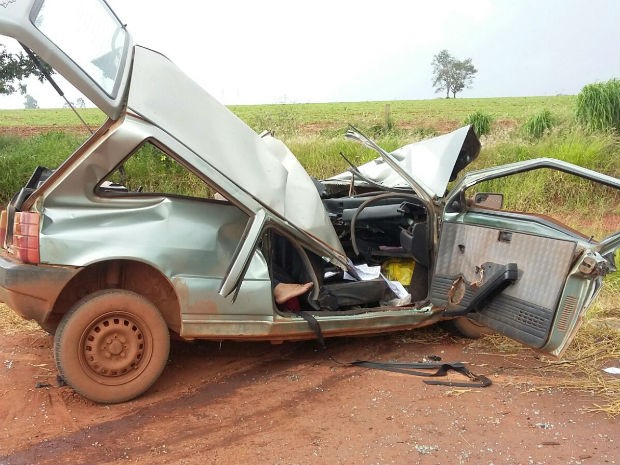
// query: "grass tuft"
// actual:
[[539, 124], [598, 106], [480, 121]]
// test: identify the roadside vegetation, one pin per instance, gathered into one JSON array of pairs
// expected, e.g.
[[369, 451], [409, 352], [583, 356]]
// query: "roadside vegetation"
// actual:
[[598, 106], [481, 122], [569, 128], [539, 124]]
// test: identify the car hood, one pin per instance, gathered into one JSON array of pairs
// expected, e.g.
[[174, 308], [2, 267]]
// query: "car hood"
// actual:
[[430, 164]]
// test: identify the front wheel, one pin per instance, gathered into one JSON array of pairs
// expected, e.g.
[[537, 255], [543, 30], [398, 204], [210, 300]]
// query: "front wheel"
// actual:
[[111, 346]]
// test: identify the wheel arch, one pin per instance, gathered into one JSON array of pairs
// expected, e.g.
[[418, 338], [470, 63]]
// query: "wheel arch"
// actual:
[[132, 275]]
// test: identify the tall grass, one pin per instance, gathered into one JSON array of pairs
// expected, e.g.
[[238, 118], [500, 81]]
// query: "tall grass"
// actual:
[[150, 170], [546, 189], [480, 121], [582, 204], [597, 151], [20, 156], [539, 124], [321, 157], [598, 105]]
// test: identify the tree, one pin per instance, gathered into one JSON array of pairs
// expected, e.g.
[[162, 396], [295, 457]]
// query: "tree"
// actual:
[[451, 75], [15, 67], [464, 72], [30, 102], [79, 103], [442, 75]]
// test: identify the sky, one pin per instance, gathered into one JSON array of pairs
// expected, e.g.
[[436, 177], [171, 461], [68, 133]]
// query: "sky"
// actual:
[[272, 51]]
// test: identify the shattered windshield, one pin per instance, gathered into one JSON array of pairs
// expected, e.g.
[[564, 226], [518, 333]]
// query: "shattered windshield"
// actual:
[[90, 34]]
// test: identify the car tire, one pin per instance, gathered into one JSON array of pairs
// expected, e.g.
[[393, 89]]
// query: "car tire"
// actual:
[[469, 328], [111, 346]]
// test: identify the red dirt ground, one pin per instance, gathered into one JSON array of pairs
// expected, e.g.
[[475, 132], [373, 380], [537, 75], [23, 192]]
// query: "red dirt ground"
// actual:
[[28, 131], [288, 404]]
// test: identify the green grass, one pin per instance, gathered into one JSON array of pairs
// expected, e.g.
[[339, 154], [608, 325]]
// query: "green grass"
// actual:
[[440, 115], [598, 105], [409, 117], [50, 118], [20, 156], [170, 178], [480, 121], [580, 203], [539, 124]]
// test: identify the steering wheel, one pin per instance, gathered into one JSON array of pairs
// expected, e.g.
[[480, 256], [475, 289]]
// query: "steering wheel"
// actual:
[[370, 201]]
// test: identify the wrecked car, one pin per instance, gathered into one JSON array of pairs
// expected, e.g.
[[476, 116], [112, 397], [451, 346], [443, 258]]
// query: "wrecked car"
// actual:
[[113, 269]]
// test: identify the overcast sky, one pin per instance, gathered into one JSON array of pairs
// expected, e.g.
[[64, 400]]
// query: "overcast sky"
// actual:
[[272, 51]]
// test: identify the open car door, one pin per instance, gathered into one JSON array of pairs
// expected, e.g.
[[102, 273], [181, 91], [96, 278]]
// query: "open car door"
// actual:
[[524, 275], [81, 39]]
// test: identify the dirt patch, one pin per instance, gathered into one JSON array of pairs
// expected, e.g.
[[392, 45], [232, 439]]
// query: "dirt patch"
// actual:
[[611, 222], [439, 126], [28, 131], [505, 124], [599, 226], [259, 403]]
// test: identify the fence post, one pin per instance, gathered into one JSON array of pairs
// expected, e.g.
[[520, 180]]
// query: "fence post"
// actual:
[[387, 115]]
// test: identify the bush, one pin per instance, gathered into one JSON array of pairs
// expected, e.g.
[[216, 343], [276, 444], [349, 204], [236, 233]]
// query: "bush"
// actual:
[[537, 125], [480, 121], [598, 105]]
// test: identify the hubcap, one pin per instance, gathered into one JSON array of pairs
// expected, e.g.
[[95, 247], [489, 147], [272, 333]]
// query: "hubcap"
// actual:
[[114, 346]]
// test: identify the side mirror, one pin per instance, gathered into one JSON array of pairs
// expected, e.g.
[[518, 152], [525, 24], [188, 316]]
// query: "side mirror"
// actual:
[[489, 200]]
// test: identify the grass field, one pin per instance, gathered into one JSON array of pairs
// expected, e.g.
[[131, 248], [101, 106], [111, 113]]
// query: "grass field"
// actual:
[[49, 118], [331, 119], [407, 116]]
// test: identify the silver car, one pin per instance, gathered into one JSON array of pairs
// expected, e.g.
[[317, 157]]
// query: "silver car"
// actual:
[[113, 268]]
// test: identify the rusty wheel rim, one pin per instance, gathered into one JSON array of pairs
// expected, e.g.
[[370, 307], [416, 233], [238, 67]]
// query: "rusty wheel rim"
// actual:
[[115, 348]]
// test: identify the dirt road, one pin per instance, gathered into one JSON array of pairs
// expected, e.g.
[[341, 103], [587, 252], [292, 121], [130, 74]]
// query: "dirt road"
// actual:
[[288, 404]]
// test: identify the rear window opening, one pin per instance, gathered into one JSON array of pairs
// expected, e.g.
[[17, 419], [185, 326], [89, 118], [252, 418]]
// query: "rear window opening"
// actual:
[[151, 171]]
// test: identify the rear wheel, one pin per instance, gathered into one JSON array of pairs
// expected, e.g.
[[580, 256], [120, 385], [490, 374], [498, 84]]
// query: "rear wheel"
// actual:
[[112, 346]]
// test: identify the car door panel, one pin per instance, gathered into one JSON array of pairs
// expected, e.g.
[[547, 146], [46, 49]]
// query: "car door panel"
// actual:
[[525, 310]]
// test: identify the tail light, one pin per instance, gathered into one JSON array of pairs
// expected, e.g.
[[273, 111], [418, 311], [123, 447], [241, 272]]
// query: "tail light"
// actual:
[[2, 228], [26, 236]]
